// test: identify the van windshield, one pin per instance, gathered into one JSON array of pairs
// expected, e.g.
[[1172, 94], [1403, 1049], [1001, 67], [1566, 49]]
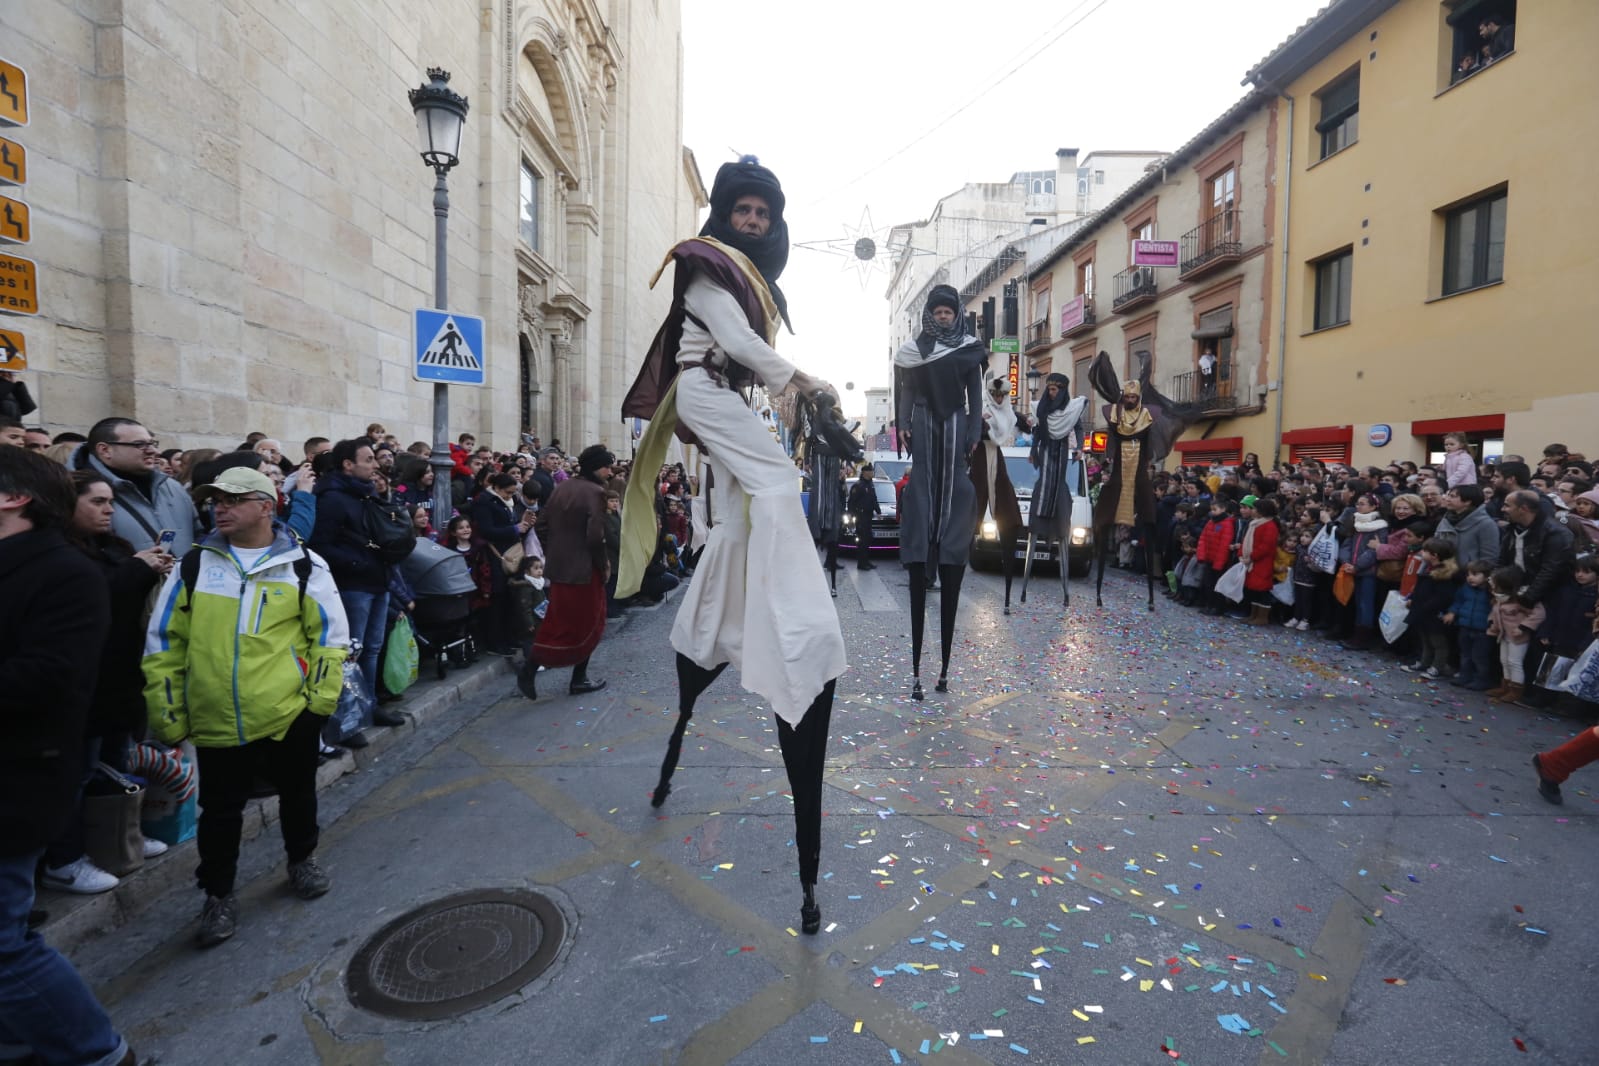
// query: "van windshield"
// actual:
[[1023, 477]]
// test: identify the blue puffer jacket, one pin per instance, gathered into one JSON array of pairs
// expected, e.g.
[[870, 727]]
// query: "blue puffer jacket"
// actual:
[[339, 534]]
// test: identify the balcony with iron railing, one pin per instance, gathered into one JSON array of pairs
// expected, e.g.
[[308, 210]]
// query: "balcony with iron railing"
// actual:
[[1038, 334], [1211, 244], [1215, 394], [1088, 321], [1133, 286]]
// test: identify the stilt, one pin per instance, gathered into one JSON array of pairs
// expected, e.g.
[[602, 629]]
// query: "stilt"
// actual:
[[1099, 578], [952, 575], [692, 681], [918, 575], [1007, 550], [804, 757], [1027, 563], [1064, 563]]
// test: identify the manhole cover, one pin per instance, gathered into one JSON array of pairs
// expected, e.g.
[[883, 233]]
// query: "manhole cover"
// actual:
[[456, 954]]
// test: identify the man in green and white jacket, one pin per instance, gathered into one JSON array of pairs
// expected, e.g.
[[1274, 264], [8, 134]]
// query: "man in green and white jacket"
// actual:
[[245, 658]]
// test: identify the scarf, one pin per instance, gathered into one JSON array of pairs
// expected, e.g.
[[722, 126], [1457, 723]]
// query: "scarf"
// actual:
[[1370, 523], [1001, 418], [1046, 405], [767, 253], [1061, 423]]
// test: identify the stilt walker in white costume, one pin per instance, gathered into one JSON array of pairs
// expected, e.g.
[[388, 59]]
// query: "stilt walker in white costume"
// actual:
[[758, 599]]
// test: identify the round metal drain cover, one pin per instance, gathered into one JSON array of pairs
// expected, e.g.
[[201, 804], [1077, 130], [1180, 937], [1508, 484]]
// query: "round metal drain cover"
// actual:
[[456, 954]]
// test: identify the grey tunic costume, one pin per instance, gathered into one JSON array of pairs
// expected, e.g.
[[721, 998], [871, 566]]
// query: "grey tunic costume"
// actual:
[[940, 399]]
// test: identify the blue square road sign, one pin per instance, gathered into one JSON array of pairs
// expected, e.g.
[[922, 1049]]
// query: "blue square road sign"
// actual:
[[447, 347]]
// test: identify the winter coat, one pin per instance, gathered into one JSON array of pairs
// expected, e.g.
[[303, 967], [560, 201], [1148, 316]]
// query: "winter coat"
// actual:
[[139, 519], [1470, 607], [572, 529], [1433, 595], [1509, 620], [1361, 550], [339, 535], [1475, 535], [493, 521], [1459, 469], [1262, 556], [241, 657], [1215, 543], [1547, 552], [863, 500], [53, 621], [1568, 625], [118, 704]]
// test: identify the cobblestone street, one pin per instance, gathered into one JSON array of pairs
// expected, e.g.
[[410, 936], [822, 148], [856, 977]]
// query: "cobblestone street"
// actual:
[[1120, 838]]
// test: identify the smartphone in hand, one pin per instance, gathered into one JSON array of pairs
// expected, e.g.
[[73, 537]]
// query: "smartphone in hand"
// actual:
[[164, 541]]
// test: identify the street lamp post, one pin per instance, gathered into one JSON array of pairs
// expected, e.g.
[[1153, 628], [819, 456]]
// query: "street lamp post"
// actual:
[[440, 117], [1034, 376]]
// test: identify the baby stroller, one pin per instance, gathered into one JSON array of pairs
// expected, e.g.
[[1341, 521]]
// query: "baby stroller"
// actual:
[[444, 590]]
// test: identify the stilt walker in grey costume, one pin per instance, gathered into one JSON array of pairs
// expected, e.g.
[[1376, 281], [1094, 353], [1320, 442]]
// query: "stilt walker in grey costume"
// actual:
[[1057, 440], [938, 385]]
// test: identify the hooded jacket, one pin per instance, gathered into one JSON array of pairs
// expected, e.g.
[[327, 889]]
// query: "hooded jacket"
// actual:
[[139, 519], [241, 657], [1475, 533]]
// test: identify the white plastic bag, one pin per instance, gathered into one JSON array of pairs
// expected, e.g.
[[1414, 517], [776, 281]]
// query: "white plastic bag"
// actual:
[[1394, 617], [1323, 552], [1582, 680], [1283, 592], [1231, 584]]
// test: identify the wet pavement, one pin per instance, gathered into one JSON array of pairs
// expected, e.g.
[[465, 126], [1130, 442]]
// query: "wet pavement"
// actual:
[[1120, 838]]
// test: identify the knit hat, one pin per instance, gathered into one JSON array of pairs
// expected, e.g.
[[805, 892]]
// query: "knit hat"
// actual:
[[944, 296], [1248, 501], [594, 457]]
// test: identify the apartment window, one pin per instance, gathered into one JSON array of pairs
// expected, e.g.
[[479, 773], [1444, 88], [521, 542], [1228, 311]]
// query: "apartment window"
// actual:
[[527, 217], [1482, 33], [1085, 280], [1340, 114], [1474, 243], [1223, 198], [1099, 177], [1333, 286]]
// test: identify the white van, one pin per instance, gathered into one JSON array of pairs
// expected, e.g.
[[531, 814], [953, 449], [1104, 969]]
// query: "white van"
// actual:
[[985, 547]]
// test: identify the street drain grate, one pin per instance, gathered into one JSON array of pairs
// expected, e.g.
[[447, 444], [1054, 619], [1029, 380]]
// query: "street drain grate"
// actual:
[[456, 954]]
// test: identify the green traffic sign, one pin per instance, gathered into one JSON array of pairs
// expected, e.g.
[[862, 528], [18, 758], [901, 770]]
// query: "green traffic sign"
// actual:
[[1007, 345]]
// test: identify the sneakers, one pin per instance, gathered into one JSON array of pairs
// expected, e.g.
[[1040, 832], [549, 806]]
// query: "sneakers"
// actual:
[[152, 848], [1411, 668], [82, 878], [218, 920], [1304, 624], [308, 880], [1431, 673]]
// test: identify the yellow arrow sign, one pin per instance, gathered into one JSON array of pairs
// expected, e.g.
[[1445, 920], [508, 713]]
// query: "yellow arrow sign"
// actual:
[[13, 95], [13, 350], [13, 163], [14, 227], [19, 286]]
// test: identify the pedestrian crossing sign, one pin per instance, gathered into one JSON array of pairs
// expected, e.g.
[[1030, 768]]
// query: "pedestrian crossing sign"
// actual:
[[448, 347]]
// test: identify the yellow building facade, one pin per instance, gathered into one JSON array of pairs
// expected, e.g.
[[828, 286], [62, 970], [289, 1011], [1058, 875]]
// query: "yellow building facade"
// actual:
[[1439, 265]]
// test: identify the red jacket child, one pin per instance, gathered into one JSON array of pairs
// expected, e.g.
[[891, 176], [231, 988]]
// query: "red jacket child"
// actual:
[[1216, 542], [1262, 542]]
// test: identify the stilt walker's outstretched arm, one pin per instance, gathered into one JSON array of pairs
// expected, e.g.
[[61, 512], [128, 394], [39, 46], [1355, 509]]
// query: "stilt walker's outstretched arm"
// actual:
[[804, 757], [692, 681]]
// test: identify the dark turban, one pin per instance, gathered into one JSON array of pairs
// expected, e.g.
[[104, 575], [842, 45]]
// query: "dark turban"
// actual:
[[769, 253]]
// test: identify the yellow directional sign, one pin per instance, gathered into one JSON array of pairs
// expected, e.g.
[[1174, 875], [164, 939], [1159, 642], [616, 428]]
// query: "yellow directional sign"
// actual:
[[13, 95], [13, 350], [13, 163], [19, 286], [14, 227]]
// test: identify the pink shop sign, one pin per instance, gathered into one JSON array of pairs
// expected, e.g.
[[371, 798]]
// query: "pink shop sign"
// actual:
[[1155, 253]]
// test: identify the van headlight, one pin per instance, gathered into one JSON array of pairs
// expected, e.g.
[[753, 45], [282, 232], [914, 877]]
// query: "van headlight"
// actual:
[[849, 521], [989, 529], [1079, 535]]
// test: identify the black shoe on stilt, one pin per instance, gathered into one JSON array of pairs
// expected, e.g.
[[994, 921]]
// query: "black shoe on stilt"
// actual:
[[663, 789], [916, 689], [943, 684], [810, 913]]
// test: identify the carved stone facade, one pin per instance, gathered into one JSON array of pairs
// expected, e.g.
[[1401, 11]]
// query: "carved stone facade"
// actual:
[[232, 224]]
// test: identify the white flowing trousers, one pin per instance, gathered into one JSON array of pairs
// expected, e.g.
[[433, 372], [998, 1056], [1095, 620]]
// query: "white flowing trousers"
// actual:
[[758, 599]]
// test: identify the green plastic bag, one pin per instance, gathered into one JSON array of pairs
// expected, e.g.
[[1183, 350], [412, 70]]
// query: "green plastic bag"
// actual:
[[400, 657]]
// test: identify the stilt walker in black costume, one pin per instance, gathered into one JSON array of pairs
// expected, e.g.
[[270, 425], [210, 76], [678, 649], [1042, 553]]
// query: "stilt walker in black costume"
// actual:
[[1143, 424], [938, 385], [996, 496], [758, 599], [1057, 442], [825, 445]]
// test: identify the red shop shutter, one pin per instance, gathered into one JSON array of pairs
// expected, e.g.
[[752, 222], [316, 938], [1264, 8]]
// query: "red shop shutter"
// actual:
[[1327, 453]]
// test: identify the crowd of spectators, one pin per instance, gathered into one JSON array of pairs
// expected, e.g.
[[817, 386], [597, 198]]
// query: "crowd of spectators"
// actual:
[[1492, 566]]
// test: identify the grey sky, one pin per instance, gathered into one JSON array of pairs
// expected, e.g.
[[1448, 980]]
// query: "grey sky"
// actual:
[[827, 90]]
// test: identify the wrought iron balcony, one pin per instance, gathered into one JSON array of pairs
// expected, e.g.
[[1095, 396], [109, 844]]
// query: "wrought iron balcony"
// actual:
[[1133, 286], [1038, 334], [1215, 395], [1088, 322], [1213, 243]]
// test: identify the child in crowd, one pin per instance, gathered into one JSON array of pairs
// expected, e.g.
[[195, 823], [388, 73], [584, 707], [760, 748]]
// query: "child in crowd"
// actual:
[[1432, 594], [1567, 630], [1513, 626], [1468, 613], [1191, 579], [1459, 467], [1214, 550], [481, 561], [1305, 575], [1258, 551], [423, 523]]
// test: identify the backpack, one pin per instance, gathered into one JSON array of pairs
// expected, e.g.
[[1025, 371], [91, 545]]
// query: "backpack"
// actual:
[[189, 574], [387, 530]]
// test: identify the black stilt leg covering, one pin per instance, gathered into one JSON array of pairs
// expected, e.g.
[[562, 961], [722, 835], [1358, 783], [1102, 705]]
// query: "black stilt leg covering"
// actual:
[[692, 681], [951, 575], [804, 757], [918, 575], [1007, 561]]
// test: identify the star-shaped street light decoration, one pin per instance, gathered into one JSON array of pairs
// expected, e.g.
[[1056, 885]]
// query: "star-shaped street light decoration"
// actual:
[[862, 247]]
